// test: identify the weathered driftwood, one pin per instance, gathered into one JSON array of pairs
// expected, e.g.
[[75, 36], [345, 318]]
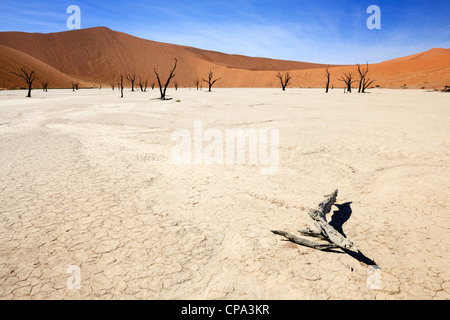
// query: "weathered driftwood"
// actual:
[[324, 230], [305, 242], [311, 233]]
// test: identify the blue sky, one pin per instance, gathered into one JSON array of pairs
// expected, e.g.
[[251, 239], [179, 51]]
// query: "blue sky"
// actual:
[[322, 31]]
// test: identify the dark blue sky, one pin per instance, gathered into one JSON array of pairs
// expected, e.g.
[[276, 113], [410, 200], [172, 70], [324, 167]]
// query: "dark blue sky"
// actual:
[[323, 31]]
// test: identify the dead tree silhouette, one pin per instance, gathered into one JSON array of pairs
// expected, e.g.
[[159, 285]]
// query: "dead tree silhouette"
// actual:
[[347, 78], [75, 85], [121, 85], [45, 86], [364, 80], [29, 76], [327, 73], [210, 80], [284, 79], [132, 79], [171, 76], [197, 82], [366, 83]]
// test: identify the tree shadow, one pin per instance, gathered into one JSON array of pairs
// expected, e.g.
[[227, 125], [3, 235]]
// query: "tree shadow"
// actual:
[[338, 219]]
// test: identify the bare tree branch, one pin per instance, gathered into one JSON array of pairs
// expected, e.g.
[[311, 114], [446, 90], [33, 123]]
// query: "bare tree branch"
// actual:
[[171, 76], [284, 79], [210, 81], [325, 231], [197, 82], [347, 78], [29, 76], [132, 78], [364, 81], [45, 86]]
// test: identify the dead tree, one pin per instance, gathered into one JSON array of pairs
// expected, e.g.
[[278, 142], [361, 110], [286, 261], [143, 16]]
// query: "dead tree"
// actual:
[[362, 75], [45, 86], [132, 79], [284, 79], [327, 73], [347, 79], [210, 80], [141, 85], [75, 85], [446, 89], [364, 80], [121, 85], [176, 85], [324, 230], [171, 76], [330, 234], [112, 86], [197, 82], [29, 76], [153, 85], [145, 85], [366, 83]]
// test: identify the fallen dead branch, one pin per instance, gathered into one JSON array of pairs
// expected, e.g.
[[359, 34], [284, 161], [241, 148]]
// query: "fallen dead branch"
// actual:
[[324, 231]]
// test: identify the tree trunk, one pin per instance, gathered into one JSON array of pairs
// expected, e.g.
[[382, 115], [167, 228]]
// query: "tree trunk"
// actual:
[[121, 85], [327, 74]]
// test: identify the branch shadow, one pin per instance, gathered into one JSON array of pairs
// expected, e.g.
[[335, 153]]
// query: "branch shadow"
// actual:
[[360, 257], [338, 219]]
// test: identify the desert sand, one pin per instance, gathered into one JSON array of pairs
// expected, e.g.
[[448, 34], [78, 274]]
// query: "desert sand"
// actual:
[[88, 181], [97, 56]]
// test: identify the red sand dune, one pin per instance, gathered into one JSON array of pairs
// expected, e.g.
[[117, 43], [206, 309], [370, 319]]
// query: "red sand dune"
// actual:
[[99, 55], [12, 60]]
